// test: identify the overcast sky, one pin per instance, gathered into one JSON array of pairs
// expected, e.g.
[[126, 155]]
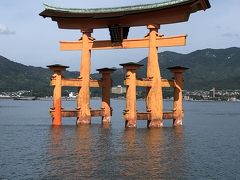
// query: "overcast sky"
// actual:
[[27, 38]]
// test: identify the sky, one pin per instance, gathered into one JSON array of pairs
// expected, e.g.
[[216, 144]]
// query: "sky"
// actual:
[[27, 38]]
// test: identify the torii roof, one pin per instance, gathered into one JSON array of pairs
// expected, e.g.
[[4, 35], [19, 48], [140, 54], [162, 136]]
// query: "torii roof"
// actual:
[[163, 12]]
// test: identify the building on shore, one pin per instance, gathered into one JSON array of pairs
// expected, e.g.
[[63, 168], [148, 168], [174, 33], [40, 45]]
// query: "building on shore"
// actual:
[[118, 89], [212, 93], [72, 95]]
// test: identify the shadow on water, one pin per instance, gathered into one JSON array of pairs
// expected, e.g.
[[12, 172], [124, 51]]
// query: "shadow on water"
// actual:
[[102, 152]]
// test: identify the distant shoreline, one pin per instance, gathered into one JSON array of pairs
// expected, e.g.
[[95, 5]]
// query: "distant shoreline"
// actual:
[[98, 98]]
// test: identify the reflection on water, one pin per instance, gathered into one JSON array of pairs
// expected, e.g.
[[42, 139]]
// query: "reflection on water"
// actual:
[[206, 147], [96, 152], [79, 151]]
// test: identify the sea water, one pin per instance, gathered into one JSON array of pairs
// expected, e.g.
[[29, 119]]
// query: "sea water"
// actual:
[[206, 147]]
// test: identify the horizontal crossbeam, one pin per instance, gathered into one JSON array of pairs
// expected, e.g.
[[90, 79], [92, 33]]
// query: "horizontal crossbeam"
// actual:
[[168, 83], [99, 112], [163, 41], [148, 83], [75, 82], [74, 113], [147, 115]]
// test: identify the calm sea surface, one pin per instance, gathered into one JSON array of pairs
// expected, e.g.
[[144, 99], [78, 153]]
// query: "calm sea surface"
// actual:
[[206, 147]]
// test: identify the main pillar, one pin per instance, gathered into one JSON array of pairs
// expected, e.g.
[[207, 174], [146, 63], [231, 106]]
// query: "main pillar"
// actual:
[[130, 113], [177, 104], [106, 92], [57, 92], [154, 100], [83, 100]]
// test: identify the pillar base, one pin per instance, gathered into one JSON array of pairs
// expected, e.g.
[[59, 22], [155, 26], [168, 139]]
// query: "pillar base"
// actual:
[[155, 124], [177, 122], [57, 121], [130, 124], [106, 119], [85, 120], [56, 124]]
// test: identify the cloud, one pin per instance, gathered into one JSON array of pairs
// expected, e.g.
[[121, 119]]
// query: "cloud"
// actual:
[[5, 30], [230, 35]]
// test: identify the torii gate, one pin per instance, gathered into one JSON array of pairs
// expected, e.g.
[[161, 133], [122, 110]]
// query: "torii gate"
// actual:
[[118, 21]]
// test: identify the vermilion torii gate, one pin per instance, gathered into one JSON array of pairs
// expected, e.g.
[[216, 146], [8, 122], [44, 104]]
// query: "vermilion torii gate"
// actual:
[[118, 21]]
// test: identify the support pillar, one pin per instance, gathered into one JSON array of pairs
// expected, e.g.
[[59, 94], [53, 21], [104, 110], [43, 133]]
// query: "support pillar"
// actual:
[[130, 113], [83, 99], [106, 91], [57, 92], [154, 100], [178, 104]]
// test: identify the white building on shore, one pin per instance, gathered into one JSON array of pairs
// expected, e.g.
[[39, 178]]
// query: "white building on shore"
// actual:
[[118, 89]]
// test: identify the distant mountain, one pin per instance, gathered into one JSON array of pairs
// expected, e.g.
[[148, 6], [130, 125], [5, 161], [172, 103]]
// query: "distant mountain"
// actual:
[[219, 68], [15, 76], [208, 68]]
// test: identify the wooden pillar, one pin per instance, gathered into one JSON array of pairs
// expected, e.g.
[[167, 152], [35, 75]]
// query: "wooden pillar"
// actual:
[[57, 92], [130, 113], [177, 104], [154, 100], [83, 99], [106, 92]]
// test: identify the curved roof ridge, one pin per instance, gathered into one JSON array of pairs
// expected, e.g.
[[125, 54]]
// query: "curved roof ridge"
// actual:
[[163, 4], [162, 12]]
